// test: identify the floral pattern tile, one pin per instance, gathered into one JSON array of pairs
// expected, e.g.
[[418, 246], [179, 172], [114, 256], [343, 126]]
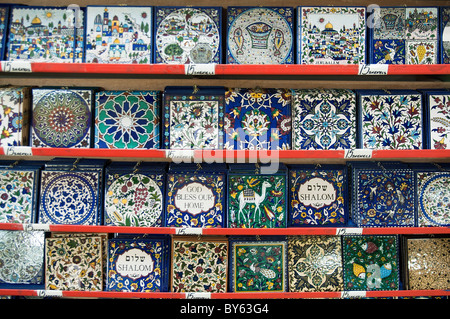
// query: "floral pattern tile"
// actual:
[[331, 35], [259, 266], [199, 266], [433, 198], [445, 35], [74, 263], [14, 112], [187, 35], [69, 197], [260, 35], [370, 262], [323, 119], [136, 265], [21, 257], [318, 197], [258, 119], [315, 263], [127, 119], [438, 122], [61, 118], [421, 52], [18, 201], [391, 120]]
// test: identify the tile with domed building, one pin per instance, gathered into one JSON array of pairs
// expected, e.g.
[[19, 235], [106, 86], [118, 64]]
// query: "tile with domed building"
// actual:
[[331, 35], [45, 34], [119, 34]]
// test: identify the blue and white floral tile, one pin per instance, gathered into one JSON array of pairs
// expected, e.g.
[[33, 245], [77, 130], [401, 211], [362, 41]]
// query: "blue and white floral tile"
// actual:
[[15, 106]]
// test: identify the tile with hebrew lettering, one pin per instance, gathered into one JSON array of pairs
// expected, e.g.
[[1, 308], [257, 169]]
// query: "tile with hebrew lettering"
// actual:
[[62, 117], [260, 35], [257, 119], [185, 35], [390, 119], [21, 258], [14, 116], [256, 200], [331, 35], [323, 119], [383, 197], [318, 195], [315, 263], [69, 197], [134, 195], [445, 35], [258, 265], [127, 119], [437, 120], [427, 263], [137, 265], [74, 263], [45, 34], [195, 199], [433, 198], [199, 265], [119, 34], [370, 262], [193, 117]]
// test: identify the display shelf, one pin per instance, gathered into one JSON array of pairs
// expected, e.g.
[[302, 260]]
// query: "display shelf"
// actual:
[[222, 69], [227, 231], [224, 295]]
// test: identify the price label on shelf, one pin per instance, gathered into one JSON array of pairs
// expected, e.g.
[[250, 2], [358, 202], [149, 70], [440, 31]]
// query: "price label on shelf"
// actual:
[[36, 227], [49, 293], [179, 156], [349, 231], [18, 151], [16, 66], [353, 294], [188, 231], [200, 69], [358, 153], [373, 69], [198, 295]]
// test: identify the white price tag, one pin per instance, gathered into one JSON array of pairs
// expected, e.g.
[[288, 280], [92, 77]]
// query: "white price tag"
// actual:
[[49, 293], [188, 231], [16, 66], [373, 69], [36, 227], [358, 153], [349, 231], [199, 69], [179, 156], [18, 151], [198, 295], [353, 294]]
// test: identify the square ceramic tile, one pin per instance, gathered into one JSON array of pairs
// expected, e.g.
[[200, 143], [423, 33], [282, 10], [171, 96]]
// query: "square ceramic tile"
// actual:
[[437, 124], [4, 23], [331, 35], [127, 119], [260, 35], [119, 34], [445, 35], [14, 116], [185, 35]]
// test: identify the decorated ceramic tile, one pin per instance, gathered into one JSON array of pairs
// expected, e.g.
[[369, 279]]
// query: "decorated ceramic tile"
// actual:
[[73, 263], [195, 198], [18, 195], [257, 119], [315, 263], [433, 198], [437, 124], [390, 119], [427, 263], [199, 265], [256, 200], [187, 35], [331, 35], [134, 196], [370, 262], [260, 35], [69, 197], [44, 34], [137, 265], [119, 34], [258, 265], [193, 117], [404, 35], [445, 35], [127, 119], [323, 119], [21, 258], [61, 118], [15, 105], [318, 195], [4, 23], [383, 196]]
